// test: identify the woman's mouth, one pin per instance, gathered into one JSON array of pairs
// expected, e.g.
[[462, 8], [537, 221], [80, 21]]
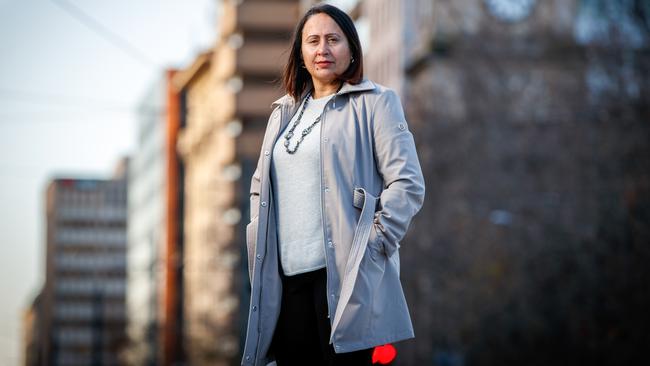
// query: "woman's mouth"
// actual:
[[323, 63]]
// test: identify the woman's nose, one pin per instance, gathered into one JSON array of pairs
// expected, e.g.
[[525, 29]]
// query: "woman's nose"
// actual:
[[322, 48]]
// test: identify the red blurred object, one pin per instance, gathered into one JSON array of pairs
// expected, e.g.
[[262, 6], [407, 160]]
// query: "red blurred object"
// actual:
[[384, 355]]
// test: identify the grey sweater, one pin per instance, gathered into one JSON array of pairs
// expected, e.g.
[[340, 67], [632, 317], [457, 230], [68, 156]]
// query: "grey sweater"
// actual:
[[296, 188]]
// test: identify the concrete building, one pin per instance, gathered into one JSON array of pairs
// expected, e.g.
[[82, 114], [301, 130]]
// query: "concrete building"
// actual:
[[84, 308], [145, 233], [32, 334], [154, 276], [399, 33], [173, 294], [226, 96], [531, 127]]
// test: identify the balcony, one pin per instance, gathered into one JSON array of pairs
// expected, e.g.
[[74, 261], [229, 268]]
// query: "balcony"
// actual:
[[91, 287], [255, 100], [268, 15], [93, 237], [87, 311], [262, 58], [90, 262]]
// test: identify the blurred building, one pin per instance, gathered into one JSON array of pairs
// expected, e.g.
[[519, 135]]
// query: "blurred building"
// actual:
[[32, 338], [83, 301], [154, 276], [399, 34], [530, 119], [226, 96]]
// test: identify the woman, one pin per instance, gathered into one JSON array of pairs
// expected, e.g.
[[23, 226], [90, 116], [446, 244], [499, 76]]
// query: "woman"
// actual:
[[336, 186]]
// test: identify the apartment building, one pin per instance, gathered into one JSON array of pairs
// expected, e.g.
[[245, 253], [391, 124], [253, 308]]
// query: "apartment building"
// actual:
[[226, 96], [145, 233], [83, 301]]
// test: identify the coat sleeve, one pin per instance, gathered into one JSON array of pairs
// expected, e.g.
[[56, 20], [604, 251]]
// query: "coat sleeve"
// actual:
[[397, 163]]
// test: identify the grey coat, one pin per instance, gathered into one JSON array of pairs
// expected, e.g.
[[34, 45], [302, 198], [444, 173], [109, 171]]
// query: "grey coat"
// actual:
[[371, 187]]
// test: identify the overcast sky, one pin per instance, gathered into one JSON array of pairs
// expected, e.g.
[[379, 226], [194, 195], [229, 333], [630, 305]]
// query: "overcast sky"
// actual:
[[72, 73]]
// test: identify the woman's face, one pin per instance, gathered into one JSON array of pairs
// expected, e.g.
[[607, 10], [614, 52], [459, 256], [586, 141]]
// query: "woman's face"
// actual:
[[325, 49]]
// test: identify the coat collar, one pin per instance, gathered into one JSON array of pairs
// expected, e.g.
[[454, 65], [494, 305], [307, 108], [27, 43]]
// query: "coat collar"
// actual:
[[364, 85]]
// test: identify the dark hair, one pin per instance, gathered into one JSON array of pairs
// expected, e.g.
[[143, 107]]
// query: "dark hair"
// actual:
[[296, 78]]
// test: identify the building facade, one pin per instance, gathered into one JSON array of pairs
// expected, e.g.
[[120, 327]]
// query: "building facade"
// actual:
[[226, 96], [154, 295], [528, 117], [83, 301], [399, 33], [32, 334], [146, 232]]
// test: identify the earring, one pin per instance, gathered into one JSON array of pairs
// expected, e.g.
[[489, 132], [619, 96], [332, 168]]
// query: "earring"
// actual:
[[352, 60]]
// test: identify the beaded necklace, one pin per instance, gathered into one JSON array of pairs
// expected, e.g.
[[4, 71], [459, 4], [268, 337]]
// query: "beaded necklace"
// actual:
[[305, 132]]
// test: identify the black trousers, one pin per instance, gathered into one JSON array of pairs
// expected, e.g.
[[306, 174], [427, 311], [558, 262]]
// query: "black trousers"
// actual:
[[302, 334]]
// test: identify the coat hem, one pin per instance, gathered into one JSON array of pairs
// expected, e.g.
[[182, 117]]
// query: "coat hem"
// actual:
[[344, 347]]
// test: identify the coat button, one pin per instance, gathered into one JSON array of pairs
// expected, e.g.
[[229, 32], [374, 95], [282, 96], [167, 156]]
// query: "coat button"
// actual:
[[331, 245], [327, 189], [259, 257], [263, 203], [248, 357], [254, 308], [266, 152], [326, 139], [401, 126]]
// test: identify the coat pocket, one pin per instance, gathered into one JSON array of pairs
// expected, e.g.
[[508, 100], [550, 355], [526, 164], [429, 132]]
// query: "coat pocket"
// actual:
[[375, 239], [251, 243], [376, 245]]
